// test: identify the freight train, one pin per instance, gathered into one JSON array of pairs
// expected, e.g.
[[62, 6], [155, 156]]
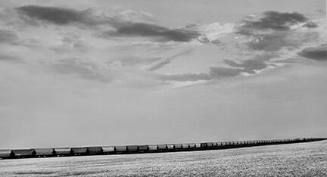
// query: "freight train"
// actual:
[[129, 149]]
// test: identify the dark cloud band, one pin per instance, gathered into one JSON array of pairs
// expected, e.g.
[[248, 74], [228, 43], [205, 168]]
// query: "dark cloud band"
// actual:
[[153, 31], [251, 65], [65, 16], [275, 21], [272, 31], [316, 53], [56, 15]]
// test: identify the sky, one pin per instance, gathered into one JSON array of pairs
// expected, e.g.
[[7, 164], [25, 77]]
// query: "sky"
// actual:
[[109, 72]]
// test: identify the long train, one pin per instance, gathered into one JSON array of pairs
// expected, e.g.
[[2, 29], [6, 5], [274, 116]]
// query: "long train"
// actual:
[[129, 149]]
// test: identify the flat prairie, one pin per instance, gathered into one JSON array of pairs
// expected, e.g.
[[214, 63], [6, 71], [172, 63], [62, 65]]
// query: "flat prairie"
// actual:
[[302, 159]]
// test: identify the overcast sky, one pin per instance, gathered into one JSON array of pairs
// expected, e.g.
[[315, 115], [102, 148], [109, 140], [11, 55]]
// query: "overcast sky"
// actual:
[[79, 73]]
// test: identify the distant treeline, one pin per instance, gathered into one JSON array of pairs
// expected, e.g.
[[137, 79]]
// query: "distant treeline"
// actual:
[[129, 149]]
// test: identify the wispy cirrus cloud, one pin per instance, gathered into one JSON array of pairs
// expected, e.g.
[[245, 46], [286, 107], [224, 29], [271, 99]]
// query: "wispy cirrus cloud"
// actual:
[[271, 33]]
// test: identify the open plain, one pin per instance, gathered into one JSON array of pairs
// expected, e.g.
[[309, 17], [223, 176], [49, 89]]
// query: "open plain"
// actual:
[[303, 159]]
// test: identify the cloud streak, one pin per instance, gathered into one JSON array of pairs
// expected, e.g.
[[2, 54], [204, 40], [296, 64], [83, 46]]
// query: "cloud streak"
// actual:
[[8, 58], [7, 36], [214, 73], [168, 60], [85, 70], [250, 66]]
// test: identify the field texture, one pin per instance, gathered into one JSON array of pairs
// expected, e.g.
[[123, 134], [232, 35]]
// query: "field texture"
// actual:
[[303, 159]]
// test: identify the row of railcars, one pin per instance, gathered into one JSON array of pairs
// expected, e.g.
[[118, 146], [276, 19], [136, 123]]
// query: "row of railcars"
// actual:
[[106, 150]]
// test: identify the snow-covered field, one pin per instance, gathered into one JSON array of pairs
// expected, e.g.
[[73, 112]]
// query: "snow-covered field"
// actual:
[[304, 159]]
